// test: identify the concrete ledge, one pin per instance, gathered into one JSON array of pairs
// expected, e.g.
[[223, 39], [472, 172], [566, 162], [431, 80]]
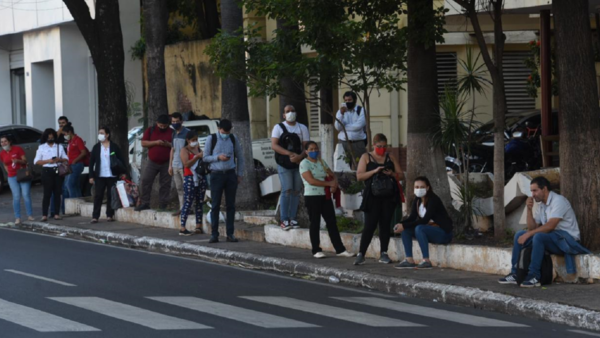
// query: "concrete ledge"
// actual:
[[456, 295]]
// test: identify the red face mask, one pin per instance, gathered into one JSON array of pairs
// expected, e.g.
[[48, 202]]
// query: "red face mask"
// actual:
[[380, 151]]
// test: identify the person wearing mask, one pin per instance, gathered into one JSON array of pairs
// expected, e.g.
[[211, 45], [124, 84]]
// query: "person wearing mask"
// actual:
[[194, 184], [104, 170], [381, 173], [13, 157], [314, 172], [222, 151], [176, 167], [49, 155], [428, 223], [158, 140], [63, 121], [350, 123], [288, 140], [77, 152]]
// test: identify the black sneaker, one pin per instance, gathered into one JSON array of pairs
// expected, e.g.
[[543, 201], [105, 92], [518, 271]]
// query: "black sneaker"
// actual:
[[142, 207], [185, 233], [384, 258], [360, 259], [294, 224], [424, 265], [285, 225], [405, 265], [213, 240], [511, 278], [232, 239], [531, 282]]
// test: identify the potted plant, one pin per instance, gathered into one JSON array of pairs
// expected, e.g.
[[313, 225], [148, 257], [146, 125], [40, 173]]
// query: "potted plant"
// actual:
[[351, 191], [268, 180]]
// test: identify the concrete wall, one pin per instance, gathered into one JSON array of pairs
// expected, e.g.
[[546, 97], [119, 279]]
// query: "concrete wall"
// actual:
[[130, 25], [42, 89], [5, 88]]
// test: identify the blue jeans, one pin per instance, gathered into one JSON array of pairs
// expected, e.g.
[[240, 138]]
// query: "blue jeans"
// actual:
[[291, 187], [223, 182], [541, 242], [20, 190], [424, 234], [72, 185]]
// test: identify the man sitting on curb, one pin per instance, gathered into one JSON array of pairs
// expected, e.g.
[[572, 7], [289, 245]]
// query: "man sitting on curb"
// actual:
[[553, 228]]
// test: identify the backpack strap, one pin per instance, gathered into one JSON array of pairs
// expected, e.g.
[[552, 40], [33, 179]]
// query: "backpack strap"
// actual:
[[214, 143], [282, 126]]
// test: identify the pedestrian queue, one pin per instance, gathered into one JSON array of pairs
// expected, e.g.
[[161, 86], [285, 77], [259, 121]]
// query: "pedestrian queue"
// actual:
[[19, 176], [54, 161]]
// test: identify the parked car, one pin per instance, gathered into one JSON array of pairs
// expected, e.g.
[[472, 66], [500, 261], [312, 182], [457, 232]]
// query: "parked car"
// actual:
[[521, 120], [27, 138]]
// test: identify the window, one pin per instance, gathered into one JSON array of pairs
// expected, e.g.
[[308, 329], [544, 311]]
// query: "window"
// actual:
[[26, 135], [446, 71], [515, 81], [314, 114]]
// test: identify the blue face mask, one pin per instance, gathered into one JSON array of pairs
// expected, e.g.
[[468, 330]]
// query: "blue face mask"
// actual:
[[224, 136], [176, 126], [313, 154]]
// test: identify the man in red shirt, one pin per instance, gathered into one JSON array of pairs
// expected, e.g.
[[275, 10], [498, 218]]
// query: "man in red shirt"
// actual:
[[77, 153], [158, 139]]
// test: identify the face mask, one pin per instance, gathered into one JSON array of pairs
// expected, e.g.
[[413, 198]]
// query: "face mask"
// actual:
[[313, 154], [380, 151], [193, 144], [67, 137], [224, 136], [7, 148], [290, 117], [420, 192], [101, 137], [50, 142], [350, 105], [176, 126]]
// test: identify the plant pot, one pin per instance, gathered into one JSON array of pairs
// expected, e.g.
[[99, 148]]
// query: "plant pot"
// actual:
[[270, 185], [351, 202]]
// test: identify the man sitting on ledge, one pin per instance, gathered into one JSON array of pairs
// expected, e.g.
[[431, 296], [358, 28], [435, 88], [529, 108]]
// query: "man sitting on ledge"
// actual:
[[553, 228]]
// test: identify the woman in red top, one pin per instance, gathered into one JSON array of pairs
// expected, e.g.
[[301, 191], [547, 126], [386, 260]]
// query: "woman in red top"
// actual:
[[13, 158], [194, 185], [77, 153]]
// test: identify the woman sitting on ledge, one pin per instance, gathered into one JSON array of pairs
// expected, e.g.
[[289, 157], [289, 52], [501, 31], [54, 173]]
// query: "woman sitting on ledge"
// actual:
[[428, 222]]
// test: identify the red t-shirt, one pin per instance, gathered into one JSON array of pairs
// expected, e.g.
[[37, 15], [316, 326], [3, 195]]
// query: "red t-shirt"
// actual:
[[159, 154], [74, 149], [7, 156]]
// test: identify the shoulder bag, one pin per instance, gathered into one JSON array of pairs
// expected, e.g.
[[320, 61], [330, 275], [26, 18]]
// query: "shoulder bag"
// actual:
[[24, 174], [64, 169]]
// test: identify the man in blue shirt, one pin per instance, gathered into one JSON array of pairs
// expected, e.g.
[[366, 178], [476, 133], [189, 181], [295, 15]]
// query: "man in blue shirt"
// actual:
[[225, 175]]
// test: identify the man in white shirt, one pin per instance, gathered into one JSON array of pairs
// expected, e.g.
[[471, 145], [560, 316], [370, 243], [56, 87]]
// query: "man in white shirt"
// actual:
[[288, 140], [352, 133]]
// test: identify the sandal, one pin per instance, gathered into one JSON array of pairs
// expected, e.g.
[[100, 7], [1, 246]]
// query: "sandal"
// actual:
[[198, 231], [44, 219], [94, 221], [57, 218], [110, 219]]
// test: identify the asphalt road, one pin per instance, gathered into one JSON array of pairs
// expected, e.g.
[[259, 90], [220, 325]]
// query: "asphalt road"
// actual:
[[57, 287]]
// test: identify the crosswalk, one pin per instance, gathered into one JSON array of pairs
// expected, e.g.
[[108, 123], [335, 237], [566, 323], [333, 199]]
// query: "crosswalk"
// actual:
[[41, 321]]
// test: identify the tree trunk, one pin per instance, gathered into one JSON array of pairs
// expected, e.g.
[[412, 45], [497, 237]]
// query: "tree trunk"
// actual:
[[211, 11], [156, 18], [579, 117], [326, 129], [104, 38], [202, 27], [423, 157], [234, 107]]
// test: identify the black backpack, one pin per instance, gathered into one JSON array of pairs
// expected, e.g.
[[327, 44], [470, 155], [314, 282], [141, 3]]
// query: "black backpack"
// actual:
[[523, 267], [203, 168], [291, 142], [383, 185]]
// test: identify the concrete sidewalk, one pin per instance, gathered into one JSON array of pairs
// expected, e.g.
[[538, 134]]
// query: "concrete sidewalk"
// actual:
[[572, 304]]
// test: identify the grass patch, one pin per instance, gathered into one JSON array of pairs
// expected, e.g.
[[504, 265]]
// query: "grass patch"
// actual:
[[349, 225]]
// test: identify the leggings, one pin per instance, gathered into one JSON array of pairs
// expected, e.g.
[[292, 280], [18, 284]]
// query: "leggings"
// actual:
[[192, 193], [381, 213]]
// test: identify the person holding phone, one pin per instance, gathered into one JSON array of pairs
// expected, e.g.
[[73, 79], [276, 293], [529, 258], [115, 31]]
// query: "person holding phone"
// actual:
[[350, 122], [194, 184], [49, 155], [381, 171], [13, 157]]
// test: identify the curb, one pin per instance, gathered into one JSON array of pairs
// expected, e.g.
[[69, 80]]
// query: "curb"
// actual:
[[449, 294]]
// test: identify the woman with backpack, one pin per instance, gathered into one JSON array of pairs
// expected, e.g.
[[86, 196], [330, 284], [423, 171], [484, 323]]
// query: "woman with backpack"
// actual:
[[194, 185], [381, 174], [428, 223], [106, 164], [78, 155], [314, 173]]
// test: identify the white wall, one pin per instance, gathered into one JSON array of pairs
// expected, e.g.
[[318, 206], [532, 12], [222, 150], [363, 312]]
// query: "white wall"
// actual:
[[5, 90], [43, 82]]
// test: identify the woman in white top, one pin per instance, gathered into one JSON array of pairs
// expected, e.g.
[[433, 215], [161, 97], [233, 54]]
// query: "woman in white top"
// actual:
[[49, 155]]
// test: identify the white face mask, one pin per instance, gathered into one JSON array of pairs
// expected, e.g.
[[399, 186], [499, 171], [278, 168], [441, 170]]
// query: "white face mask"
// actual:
[[67, 137], [420, 192], [7, 148], [101, 137], [290, 117], [193, 144]]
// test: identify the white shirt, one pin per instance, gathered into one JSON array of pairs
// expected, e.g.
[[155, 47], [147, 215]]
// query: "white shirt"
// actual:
[[557, 206], [46, 152], [105, 162], [422, 210], [298, 129], [354, 124]]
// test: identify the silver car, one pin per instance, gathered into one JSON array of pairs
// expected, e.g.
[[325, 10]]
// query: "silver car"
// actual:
[[27, 138]]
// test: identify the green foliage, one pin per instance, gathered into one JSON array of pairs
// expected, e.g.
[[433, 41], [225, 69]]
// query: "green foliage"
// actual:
[[466, 213], [349, 225], [473, 80], [454, 126], [349, 184], [533, 63], [138, 50]]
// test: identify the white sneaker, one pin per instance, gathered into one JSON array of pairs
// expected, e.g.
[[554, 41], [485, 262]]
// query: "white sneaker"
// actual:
[[339, 211], [346, 254], [319, 255], [294, 224]]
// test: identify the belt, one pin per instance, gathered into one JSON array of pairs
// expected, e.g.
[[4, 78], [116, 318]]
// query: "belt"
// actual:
[[50, 169], [222, 171]]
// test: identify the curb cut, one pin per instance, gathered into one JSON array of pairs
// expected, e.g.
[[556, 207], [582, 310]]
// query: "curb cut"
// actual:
[[449, 294]]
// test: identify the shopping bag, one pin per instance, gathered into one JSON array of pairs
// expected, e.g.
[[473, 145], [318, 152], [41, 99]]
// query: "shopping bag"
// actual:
[[122, 191]]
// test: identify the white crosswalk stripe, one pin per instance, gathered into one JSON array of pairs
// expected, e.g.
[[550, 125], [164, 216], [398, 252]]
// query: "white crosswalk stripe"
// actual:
[[233, 312], [130, 313], [334, 312], [38, 320], [429, 312]]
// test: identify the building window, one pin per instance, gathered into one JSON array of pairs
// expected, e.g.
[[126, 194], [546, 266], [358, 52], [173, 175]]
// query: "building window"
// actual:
[[446, 71], [314, 113], [515, 81]]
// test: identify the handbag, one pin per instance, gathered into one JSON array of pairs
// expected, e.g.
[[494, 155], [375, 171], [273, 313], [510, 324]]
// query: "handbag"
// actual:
[[64, 169], [24, 174], [382, 185]]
